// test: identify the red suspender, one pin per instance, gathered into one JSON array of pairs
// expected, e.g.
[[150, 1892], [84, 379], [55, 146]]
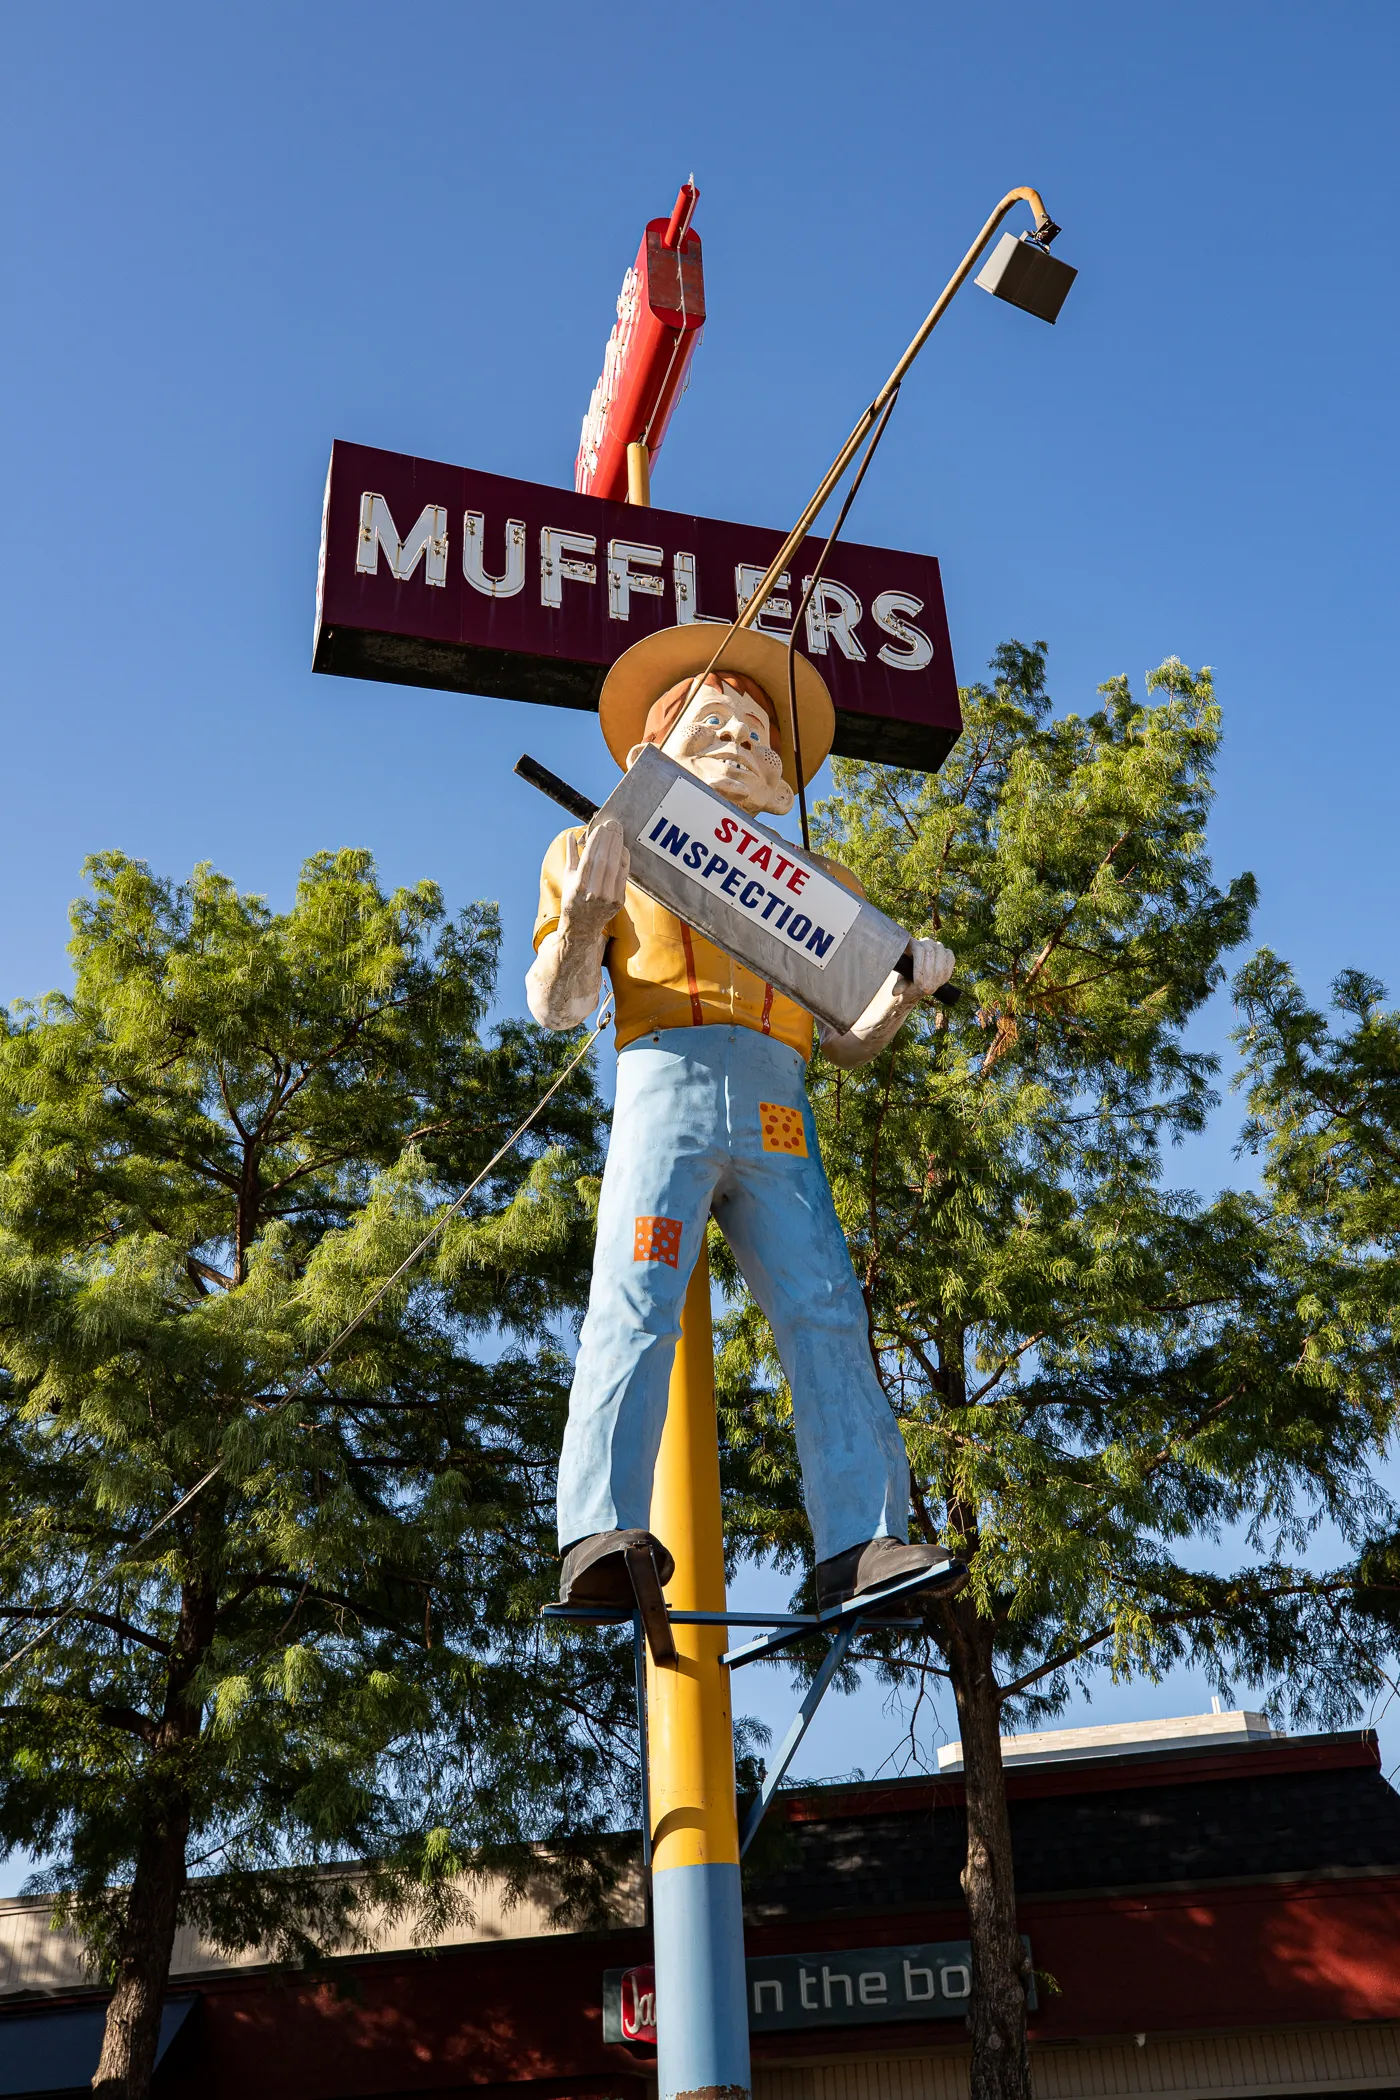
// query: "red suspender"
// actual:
[[692, 983]]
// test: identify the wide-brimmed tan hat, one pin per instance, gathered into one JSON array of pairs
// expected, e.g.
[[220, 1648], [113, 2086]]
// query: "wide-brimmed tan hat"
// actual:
[[652, 666]]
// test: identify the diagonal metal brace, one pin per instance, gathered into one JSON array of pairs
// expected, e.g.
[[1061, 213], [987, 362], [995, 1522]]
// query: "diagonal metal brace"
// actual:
[[787, 1750], [844, 1623], [868, 1607], [651, 1605]]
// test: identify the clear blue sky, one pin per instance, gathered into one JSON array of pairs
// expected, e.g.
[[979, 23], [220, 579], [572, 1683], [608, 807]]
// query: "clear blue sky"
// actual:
[[233, 233]]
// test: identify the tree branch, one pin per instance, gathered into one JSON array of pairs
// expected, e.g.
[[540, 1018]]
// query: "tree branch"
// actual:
[[1005, 1365], [128, 1719], [1056, 1662], [110, 1620]]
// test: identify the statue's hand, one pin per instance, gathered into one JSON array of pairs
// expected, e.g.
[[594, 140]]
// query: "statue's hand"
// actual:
[[595, 880], [933, 966], [890, 1008]]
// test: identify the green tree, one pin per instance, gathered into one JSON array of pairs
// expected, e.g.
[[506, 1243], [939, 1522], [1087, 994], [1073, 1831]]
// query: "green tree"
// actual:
[[1324, 1121], [1098, 1376], [233, 1130]]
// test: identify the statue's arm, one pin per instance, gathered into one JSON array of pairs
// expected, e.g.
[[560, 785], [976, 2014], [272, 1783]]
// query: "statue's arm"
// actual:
[[889, 1009], [567, 974]]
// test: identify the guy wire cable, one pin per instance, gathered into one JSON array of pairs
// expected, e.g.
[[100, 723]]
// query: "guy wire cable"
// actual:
[[100, 1580]]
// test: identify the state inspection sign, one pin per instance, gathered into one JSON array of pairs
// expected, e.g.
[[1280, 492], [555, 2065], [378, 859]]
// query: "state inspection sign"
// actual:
[[442, 576], [759, 897]]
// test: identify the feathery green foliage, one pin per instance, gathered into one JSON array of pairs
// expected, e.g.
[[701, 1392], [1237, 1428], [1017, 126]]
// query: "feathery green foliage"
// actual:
[[1324, 1117], [1100, 1379], [1092, 1369], [237, 1126]]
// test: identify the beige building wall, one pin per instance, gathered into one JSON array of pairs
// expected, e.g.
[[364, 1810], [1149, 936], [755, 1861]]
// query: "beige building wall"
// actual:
[[33, 1957]]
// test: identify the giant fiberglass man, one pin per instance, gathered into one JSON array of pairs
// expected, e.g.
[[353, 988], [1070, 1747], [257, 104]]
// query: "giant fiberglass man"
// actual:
[[712, 1117]]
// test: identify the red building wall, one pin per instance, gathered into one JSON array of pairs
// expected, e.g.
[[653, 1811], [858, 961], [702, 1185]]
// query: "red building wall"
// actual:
[[1269, 1952], [530, 2010]]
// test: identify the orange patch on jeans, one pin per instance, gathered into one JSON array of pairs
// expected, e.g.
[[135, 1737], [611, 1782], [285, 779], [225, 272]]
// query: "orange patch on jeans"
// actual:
[[783, 1129], [657, 1239]]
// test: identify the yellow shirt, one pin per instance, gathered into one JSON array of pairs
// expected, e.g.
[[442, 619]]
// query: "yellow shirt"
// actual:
[[666, 975]]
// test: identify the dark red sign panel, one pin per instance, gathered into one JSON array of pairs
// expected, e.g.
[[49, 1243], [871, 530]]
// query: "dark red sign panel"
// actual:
[[442, 576]]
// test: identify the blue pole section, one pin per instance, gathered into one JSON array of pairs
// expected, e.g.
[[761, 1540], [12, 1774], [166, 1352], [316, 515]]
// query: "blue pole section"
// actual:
[[702, 2017]]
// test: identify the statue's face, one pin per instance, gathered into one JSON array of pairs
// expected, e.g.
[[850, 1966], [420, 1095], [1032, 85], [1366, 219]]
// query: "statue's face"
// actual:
[[724, 737]]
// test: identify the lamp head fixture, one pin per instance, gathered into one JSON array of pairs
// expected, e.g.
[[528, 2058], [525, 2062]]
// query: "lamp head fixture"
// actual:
[[1026, 274]]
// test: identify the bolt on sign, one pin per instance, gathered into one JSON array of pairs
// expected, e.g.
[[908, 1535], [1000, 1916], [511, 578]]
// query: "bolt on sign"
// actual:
[[443, 576], [855, 1987]]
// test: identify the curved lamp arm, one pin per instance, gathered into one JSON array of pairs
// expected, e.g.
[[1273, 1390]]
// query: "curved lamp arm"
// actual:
[[1045, 232]]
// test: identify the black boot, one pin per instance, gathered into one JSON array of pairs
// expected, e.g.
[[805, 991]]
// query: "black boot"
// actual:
[[867, 1569], [595, 1568]]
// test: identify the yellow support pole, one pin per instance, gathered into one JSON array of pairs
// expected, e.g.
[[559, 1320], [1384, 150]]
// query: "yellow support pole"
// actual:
[[691, 1726], [701, 1992], [638, 474]]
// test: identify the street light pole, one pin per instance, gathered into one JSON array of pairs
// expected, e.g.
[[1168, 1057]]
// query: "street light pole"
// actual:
[[696, 1890], [639, 473]]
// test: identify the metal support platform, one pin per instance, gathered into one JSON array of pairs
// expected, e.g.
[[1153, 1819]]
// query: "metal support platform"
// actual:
[[651, 1624]]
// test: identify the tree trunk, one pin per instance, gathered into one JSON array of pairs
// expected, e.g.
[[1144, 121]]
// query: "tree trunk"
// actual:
[[153, 1900], [997, 2017], [143, 1958]]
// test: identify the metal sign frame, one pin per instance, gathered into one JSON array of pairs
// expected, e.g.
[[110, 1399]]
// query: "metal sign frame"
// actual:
[[765, 902]]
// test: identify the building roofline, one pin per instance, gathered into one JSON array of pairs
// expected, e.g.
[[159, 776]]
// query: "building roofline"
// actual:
[[1111, 1772]]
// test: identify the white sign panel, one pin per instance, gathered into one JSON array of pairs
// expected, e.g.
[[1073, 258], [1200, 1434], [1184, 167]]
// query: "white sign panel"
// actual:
[[734, 858]]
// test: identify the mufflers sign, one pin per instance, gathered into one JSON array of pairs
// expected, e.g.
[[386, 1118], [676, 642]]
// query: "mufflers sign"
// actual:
[[442, 576], [857, 1987]]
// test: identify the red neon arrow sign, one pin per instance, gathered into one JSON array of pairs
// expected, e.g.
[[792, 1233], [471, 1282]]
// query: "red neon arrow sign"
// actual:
[[660, 315]]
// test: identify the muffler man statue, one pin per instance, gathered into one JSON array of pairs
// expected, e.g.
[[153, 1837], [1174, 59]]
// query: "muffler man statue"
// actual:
[[712, 1117]]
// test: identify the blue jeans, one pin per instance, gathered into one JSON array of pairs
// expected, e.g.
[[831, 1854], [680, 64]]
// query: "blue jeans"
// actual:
[[688, 1138]]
